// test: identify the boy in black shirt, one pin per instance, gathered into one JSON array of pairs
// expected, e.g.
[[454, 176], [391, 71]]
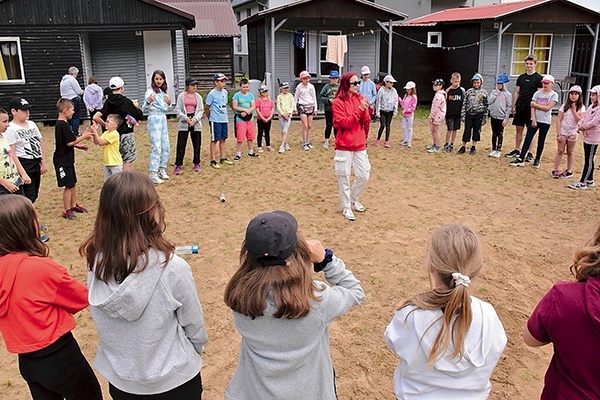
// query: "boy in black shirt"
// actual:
[[455, 96], [64, 156]]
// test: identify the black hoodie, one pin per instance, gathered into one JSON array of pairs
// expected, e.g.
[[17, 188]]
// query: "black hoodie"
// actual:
[[119, 104]]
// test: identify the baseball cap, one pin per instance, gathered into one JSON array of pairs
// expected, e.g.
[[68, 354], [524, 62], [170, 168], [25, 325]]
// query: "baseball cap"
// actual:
[[438, 82], [116, 82], [477, 77], [284, 85], [410, 85], [219, 77], [334, 74], [271, 237], [575, 88], [19, 103], [190, 81], [263, 88], [595, 89], [304, 74], [389, 78], [548, 79], [365, 70], [502, 78]]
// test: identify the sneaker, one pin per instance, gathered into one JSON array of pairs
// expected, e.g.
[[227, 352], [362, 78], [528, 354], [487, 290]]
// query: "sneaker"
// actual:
[[347, 212], [177, 170], [310, 146], [497, 154], [451, 148], [69, 214], [405, 143], [260, 150], [269, 148], [590, 184], [555, 174], [386, 144], [326, 144], [377, 142], [155, 179], [461, 150], [529, 157], [536, 164], [566, 174], [287, 147], [236, 158], [578, 186], [43, 237], [253, 155], [517, 162], [79, 209], [472, 151], [446, 147], [492, 153], [409, 145], [162, 174], [225, 161], [214, 164], [514, 153], [433, 149], [305, 147], [196, 167], [357, 206], [281, 149]]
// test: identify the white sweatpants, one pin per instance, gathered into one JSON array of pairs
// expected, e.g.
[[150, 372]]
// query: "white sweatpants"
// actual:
[[344, 162]]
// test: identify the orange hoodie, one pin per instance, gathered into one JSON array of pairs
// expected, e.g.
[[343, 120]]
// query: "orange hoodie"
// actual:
[[350, 120], [37, 301]]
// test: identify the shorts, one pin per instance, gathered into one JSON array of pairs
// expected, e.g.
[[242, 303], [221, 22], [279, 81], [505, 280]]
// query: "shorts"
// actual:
[[569, 138], [453, 123], [218, 131], [307, 109], [111, 170], [65, 176], [127, 147], [522, 117], [245, 130]]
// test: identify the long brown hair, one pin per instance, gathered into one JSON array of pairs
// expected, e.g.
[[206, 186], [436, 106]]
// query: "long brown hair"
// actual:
[[162, 87], [586, 261], [568, 102], [130, 221], [21, 230], [291, 285], [453, 248]]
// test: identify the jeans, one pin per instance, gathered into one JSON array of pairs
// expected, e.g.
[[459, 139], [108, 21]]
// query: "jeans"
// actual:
[[76, 112], [531, 131]]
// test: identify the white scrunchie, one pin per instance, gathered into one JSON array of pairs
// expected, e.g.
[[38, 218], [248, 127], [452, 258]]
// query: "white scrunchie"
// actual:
[[460, 279]]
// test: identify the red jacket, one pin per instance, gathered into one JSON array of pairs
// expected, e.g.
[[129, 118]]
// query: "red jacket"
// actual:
[[350, 122], [37, 300]]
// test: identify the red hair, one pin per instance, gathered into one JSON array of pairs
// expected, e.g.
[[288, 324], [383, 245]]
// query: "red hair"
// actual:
[[342, 92]]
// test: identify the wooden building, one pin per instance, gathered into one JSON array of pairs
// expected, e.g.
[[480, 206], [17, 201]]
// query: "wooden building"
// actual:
[[41, 39]]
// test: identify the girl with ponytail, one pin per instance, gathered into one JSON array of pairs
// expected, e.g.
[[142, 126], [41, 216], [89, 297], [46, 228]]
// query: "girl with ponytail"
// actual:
[[448, 341]]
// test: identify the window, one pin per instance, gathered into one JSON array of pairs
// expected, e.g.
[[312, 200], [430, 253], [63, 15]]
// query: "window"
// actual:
[[525, 44], [11, 61], [238, 16], [434, 39], [248, 12], [238, 44], [324, 66]]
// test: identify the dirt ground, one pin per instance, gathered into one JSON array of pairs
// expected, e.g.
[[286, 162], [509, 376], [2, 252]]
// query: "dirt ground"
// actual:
[[529, 224]]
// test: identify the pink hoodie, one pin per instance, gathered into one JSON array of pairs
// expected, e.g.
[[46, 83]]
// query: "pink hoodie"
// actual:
[[438, 108], [408, 104], [590, 123]]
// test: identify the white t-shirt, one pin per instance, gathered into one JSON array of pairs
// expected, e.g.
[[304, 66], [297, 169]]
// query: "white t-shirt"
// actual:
[[27, 141], [543, 99]]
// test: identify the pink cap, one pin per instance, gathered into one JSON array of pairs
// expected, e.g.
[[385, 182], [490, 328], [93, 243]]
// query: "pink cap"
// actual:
[[575, 88], [304, 74]]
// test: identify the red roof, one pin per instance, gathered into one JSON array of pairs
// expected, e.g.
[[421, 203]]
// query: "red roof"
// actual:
[[214, 18], [491, 11]]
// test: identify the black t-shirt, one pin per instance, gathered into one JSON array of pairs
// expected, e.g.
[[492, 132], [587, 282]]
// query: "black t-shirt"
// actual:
[[64, 155], [528, 85], [454, 101]]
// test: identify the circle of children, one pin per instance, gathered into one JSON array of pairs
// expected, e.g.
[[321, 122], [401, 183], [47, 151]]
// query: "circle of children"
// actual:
[[144, 301]]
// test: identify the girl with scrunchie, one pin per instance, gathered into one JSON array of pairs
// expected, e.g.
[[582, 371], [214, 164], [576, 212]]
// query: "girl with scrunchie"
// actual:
[[448, 341]]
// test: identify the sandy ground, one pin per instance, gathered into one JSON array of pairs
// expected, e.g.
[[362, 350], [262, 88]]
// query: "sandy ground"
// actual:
[[529, 224]]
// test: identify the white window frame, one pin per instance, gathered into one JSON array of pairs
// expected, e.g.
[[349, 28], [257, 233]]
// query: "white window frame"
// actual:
[[531, 50], [321, 47], [17, 40], [434, 39]]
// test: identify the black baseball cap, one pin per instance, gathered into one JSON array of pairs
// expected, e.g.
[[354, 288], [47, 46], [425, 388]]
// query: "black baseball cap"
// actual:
[[190, 81], [272, 237], [19, 103]]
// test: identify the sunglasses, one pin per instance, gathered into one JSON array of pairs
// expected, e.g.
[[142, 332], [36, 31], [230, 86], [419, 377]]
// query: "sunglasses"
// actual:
[[355, 83]]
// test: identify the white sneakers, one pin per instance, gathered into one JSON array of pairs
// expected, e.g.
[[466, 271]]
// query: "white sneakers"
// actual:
[[357, 206], [347, 212], [155, 179], [494, 153], [162, 174]]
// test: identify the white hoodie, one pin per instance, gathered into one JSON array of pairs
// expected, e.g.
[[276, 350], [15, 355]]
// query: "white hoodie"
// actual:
[[150, 327], [466, 378]]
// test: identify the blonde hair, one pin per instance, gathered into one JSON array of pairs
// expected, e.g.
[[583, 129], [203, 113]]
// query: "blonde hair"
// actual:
[[586, 261], [455, 75], [453, 248]]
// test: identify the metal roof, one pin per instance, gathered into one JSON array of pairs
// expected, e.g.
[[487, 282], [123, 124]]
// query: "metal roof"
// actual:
[[214, 18]]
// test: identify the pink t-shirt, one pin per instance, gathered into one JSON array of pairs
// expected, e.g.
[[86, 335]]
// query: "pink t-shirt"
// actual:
[[190, 103], [265, 106], [569, 317]]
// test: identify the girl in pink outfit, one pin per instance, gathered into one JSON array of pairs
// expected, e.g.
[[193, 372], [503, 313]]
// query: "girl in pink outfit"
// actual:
[[590, 127], [305, 99], [569, 115], [264, 114], [408, 104], [437, 115]]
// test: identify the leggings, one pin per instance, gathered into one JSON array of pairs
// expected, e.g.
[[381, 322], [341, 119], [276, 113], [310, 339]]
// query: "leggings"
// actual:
[[531, 131], [385, 122], [497, 133], [407, 128], [329, 125], [589, 151], [190, 390], [182, 143], [264, 128]]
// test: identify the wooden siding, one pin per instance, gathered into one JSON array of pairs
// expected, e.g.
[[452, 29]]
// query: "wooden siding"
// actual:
[[554, 13], [209, 56], [283, 57], [362, 50], [46, 58]]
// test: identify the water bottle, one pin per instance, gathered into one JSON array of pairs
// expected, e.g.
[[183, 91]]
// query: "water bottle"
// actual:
[[189, 249], [222, 197]]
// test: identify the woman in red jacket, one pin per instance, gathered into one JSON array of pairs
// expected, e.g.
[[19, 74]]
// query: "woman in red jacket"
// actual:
[[350, 117], [37, 301]]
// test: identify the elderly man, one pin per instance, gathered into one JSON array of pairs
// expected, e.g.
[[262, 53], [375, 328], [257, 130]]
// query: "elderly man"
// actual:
[[70, 89]]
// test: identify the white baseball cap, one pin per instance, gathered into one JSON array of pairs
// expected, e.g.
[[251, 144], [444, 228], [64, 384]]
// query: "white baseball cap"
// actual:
[[389, 78], [410, 85], [548, 79], [116, 82], [365, 70], [595, 89]]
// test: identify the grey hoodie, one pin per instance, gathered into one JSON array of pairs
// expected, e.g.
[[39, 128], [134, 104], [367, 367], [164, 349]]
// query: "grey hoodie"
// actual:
[[150, 327]]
